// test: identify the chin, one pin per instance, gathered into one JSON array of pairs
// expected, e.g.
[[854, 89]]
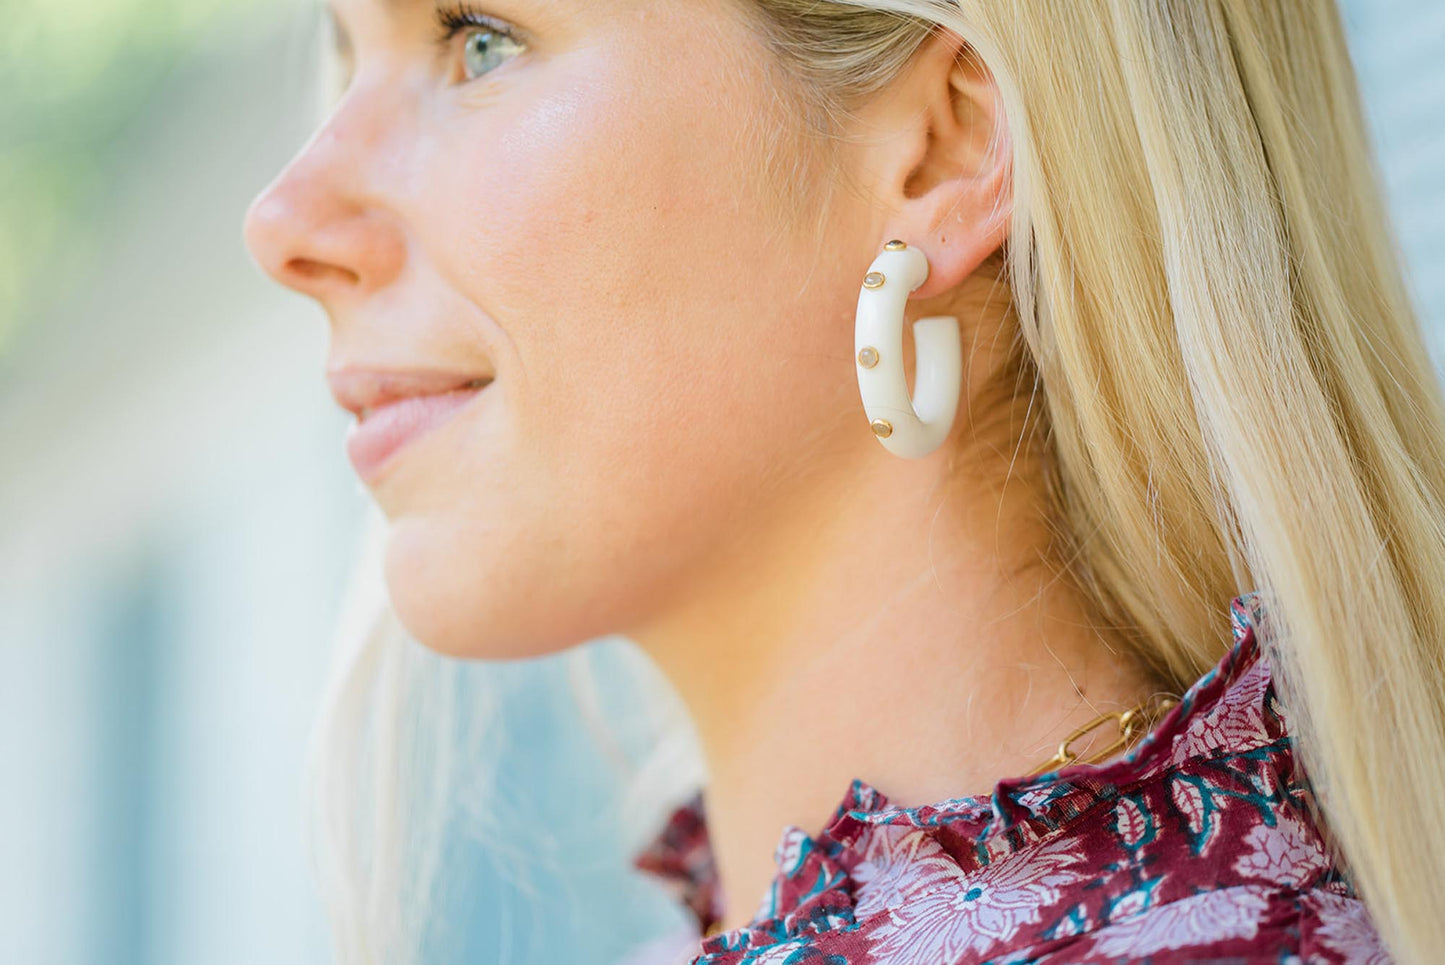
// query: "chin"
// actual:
[[459, 601]]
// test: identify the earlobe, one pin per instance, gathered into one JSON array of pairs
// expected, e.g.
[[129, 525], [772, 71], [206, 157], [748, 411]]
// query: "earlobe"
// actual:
[[951, 192]]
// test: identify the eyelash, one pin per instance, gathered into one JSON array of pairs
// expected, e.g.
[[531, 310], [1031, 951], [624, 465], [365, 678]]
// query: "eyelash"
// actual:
[[462, 16]]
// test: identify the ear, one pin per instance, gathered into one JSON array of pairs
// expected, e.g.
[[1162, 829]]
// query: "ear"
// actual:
[[938, 160]]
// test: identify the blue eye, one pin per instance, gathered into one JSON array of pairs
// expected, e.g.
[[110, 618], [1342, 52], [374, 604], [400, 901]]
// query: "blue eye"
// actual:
[[486, 50], [489, 42]]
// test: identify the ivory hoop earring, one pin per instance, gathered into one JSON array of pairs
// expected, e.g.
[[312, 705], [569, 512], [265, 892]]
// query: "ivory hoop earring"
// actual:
[[910, 428]]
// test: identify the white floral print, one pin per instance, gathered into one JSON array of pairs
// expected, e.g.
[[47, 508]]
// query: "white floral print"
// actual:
[[1285, 854], [899, 863], [971, 913], [1235, 723], [1208, 917], [1345, 928]]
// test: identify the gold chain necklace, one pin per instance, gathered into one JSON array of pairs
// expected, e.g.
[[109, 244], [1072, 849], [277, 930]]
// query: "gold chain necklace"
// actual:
[[1132, 723]]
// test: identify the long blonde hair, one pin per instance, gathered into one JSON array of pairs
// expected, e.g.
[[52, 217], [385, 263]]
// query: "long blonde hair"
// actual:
[[1235, 390]]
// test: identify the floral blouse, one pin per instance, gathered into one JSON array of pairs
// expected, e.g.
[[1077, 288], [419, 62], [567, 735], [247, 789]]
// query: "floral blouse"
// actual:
[[1198, 844]]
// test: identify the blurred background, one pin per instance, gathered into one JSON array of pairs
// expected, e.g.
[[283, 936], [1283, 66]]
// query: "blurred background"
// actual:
[[177, 514]]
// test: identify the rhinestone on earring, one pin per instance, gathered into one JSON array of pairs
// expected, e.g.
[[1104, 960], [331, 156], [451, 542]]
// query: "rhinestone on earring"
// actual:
[[868, 356], [895, 245], [874, 279], [882, 428]]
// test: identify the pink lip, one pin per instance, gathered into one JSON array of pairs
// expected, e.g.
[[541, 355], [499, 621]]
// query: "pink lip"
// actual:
[[375, 440]]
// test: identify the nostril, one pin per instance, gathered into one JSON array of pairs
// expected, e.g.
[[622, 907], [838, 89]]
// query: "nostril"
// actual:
[[306, 269], [316, 239]]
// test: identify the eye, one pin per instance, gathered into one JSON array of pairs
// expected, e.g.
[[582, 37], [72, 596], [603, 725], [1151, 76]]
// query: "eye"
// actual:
[[488, 41], [486, 50]]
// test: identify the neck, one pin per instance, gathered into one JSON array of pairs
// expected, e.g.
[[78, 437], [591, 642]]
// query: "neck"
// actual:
[[900, 630]]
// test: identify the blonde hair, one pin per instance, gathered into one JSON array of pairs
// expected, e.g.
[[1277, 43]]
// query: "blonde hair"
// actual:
[[1235, 386], [1235, 391]]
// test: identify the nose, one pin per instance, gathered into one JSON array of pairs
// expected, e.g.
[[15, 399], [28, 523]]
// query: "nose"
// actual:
[[324, 225]]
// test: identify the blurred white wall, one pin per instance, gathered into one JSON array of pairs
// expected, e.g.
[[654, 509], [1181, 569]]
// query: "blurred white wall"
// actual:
[[176, 515], [1399, 50], [174, 523]]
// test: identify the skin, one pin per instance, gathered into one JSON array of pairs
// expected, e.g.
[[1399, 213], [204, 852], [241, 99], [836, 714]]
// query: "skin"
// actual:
[[674, 448]]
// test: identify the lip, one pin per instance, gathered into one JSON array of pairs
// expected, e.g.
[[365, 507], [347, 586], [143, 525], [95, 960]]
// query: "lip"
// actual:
[[376, 439], [358, 389]]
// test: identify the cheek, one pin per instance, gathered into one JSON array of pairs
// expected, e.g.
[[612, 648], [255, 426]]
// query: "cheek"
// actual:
[[663, 359], [616, 234]]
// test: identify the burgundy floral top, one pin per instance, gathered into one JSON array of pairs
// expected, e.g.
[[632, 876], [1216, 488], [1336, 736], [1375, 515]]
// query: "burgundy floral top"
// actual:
[[1196, 845]]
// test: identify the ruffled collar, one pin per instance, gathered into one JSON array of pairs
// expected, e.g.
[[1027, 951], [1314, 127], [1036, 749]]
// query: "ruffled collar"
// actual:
[[816, 888]]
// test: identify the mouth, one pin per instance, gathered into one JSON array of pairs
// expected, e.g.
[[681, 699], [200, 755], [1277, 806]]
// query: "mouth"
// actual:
[[383, 431], [472, 385], [361, 391]]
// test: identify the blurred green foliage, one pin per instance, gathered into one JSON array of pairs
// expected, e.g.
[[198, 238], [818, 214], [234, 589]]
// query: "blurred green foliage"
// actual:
[[74, 75]]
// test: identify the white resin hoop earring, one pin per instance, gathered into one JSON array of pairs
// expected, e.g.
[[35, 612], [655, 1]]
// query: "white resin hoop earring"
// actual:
[[911, 428]]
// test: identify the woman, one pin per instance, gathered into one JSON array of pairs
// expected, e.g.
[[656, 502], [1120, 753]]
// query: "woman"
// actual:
[[1172, 453]]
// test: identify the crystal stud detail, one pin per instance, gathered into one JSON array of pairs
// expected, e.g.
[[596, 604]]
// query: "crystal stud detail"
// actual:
[[868, 357], [874, 279], [882, 428], [895, 245]]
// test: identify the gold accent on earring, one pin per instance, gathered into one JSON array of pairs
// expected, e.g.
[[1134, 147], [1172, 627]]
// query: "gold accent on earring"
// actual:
[[868, 356], [895, 245], [882, 428], [874, 279]]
